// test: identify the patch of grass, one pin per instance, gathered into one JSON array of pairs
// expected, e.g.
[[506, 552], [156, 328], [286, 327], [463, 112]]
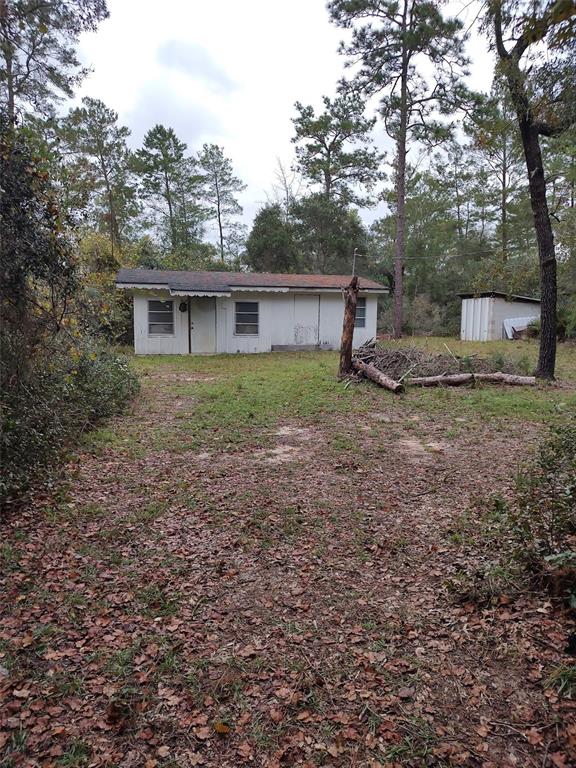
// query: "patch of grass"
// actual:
[[147, 513], [563, 679], [64, 684], [9, 557], [121, 664], [251, 391], [418, 741], [155, 602], [77, 755]]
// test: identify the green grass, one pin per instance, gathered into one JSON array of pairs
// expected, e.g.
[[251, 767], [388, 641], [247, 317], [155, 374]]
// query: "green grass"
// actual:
[[563, 679], [230, 401]]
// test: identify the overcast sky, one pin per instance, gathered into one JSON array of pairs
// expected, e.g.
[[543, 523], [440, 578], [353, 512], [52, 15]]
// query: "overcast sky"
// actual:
[[225, 72]]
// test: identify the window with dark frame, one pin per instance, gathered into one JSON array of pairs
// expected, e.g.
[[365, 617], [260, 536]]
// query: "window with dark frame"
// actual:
[[160, 318], [360, 321], [246, 320]]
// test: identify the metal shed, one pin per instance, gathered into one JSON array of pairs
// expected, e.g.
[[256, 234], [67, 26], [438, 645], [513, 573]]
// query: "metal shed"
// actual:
[[491, 315]]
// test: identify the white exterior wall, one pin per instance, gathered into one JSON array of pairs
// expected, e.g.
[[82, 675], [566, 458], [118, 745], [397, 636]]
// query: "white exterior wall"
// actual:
[[475, 319], [482, 318], [505, 310], [285, 319], [159, 345]]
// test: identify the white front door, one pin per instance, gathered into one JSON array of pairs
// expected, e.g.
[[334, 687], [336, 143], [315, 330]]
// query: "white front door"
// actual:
[[202, 325], [306, 319]]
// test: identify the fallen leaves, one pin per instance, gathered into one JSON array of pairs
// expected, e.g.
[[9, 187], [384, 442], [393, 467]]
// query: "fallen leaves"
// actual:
[[296, 616]]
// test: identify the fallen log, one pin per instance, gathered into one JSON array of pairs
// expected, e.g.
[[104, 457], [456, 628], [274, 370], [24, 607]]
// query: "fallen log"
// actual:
[[506, 378], [445, 379], [377, 376], [458, 379]]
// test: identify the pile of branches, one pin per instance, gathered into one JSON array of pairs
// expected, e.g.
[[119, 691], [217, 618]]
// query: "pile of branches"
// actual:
[[393, 368]]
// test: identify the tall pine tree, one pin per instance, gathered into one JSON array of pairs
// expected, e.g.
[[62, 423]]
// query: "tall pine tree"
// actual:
[[391, 40]]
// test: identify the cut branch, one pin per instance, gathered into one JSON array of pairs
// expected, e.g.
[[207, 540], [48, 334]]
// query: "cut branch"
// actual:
[[371, 372]]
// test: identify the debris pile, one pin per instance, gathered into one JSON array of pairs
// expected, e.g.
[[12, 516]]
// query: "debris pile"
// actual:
[[392, 368]]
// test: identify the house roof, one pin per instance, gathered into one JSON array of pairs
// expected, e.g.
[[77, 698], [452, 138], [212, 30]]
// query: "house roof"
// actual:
[[498, 295], [225, 282]]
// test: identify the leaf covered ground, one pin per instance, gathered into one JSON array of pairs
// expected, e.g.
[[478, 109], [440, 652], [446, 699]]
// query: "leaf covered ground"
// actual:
[[251, 568]]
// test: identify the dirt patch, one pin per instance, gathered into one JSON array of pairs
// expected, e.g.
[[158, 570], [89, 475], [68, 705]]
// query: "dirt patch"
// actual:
[[288, 611], [297, 433], [280, 454]]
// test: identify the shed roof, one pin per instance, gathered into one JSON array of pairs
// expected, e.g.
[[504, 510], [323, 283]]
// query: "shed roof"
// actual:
[[225, 282], [498, 295]]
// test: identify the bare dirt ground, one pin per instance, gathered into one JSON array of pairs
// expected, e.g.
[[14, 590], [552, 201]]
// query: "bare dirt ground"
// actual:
[[279, 603]]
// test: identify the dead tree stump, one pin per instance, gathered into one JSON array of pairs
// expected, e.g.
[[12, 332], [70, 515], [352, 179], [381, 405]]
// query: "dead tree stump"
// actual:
[[350, 301]]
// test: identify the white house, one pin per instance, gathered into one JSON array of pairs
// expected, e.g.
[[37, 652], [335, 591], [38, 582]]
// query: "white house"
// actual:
[[490, 315], [213, 312]]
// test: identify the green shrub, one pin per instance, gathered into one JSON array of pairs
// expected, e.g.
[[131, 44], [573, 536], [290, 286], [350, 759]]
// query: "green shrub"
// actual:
[[532, 534], [543, 515], [68, 388]]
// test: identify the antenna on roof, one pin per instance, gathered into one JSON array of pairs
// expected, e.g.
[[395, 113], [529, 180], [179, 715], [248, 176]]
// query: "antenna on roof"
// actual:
[[354, 261]]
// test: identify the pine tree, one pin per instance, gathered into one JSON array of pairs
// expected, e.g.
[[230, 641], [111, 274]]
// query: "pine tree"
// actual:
[[171, 187], [98, 161], [334, 149], [390, 40], [221, 187], [536, 47], [38, 63]]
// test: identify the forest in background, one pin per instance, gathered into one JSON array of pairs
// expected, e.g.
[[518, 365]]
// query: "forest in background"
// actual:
[[77, 202], [468, 222]]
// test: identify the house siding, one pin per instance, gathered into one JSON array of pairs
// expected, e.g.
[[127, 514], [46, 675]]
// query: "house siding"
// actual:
[[285, 320]]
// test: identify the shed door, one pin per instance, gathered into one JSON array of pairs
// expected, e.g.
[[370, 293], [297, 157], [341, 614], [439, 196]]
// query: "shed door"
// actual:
[[306, 319], [203, 325]]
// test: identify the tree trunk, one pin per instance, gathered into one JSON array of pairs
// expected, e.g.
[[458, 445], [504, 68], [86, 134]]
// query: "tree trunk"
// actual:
[[350, 301], [458, 379], [504, 201], [399, 244], [9, 60], [377, 376], [219, 216], [112, 224], [168, 195], [537, 185], [546, 252]]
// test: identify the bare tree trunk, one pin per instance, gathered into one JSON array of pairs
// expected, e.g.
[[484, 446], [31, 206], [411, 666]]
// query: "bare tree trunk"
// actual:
[[371, 372], [530, 133], [9, 59], [399, 244], [546, 252], [350, 301], [504, 200], [112, 224], [168, 195], [219, 216]]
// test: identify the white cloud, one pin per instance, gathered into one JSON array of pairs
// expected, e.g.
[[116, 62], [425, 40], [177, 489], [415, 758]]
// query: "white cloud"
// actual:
[[225, 73]]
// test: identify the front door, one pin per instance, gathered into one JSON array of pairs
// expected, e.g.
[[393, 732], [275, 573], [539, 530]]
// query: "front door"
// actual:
[[306, 319], [202, 325]]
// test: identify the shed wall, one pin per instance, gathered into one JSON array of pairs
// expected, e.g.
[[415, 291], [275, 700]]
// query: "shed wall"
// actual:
[[475, 319], [504, 310], [482, 318]]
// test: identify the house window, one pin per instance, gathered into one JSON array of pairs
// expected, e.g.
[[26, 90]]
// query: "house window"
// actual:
[[161, 318], [246, 318], [360, 321]]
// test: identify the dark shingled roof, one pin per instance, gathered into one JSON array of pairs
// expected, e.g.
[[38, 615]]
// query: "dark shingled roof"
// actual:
[[224, 281]]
